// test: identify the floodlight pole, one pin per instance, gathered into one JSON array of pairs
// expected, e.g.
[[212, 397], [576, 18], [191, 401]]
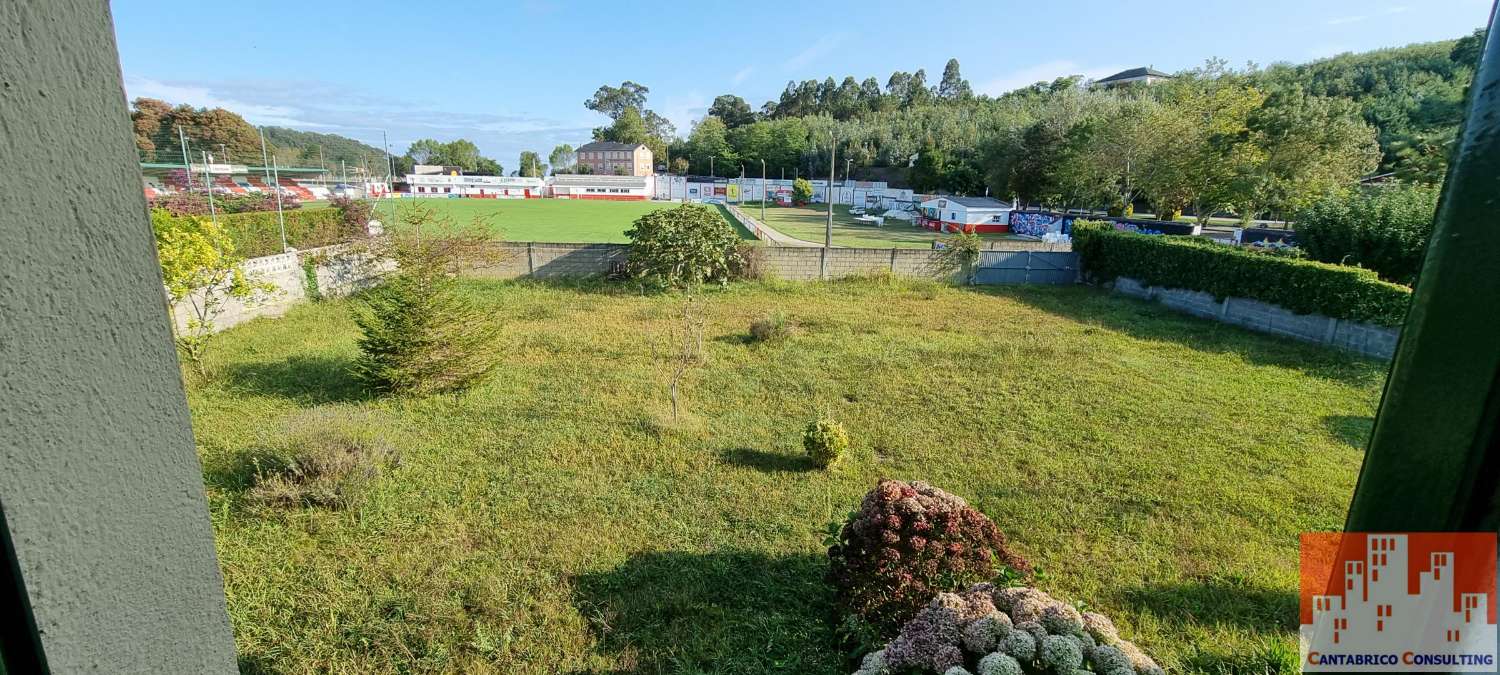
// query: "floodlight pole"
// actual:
[[276, 176], [280, 219], [711, 167], [390, 174], [762, 191], [187, 166], [209, 184]]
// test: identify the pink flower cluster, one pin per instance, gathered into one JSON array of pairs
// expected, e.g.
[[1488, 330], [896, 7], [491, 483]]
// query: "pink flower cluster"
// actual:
[[907, 542]]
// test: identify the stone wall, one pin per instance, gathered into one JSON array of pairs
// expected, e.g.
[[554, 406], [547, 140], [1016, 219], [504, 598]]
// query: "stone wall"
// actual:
[[1362, 338], [338, 271]]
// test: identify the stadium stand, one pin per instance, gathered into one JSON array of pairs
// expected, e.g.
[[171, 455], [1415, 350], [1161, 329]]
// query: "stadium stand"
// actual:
[[224, 182], [297, 189]]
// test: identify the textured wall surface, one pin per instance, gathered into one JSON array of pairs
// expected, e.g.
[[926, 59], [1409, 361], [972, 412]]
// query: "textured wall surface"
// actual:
[[1363, 338], [101, 486]]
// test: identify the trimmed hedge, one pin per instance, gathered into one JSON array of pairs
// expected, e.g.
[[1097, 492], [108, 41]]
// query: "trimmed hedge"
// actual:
[[1302, 286], [257, 233]]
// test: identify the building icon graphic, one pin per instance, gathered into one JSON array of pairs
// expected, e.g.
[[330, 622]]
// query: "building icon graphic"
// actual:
[[1380, 618]]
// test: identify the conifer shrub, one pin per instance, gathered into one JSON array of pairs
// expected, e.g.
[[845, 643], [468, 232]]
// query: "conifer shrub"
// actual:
[[421, 333]]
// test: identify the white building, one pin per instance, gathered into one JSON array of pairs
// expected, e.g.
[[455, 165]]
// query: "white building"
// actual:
[[965, 214], [478, 187], [592, 186]]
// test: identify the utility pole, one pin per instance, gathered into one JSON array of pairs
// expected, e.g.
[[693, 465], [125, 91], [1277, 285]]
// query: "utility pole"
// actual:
[[390, 174], [280, 220], [762, 190], [833, 151], [711, 173]]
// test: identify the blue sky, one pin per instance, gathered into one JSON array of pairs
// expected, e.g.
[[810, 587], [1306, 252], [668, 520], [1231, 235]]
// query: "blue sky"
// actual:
[[513, 75]]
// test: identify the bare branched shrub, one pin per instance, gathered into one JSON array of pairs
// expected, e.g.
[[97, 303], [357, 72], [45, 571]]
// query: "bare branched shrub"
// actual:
[[683, 349]]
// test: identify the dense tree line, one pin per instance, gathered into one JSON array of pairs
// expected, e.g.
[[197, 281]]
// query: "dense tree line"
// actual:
[[1255, 142]]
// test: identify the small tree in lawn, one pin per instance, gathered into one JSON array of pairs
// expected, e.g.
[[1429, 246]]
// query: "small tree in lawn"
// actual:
[[421, 333], [802, 192], [201, 272], [683, 246]]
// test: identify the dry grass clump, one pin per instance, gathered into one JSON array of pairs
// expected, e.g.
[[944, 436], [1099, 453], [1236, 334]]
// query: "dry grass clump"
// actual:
[[324, 457]]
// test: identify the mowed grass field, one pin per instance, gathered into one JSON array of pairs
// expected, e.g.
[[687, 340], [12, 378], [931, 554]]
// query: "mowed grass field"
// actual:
[[809, 223], [557, 519], [548, 220]]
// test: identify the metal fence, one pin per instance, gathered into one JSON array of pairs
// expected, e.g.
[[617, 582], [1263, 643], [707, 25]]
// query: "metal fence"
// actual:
[[1026, 267]]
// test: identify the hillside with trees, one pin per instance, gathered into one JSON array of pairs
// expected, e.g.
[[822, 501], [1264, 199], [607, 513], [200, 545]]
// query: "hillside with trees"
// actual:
[[159, 126], [1258, 142]]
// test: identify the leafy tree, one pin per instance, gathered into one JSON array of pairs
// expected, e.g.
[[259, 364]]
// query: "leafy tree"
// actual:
[[1384, 228], [683, 246], [733, 110], [1308, 147], [710, 139], [802, 191], [531, 165], [627, 128], [426, 151], [485, 166], [201, 273], [953, 86], [562, 158], [927, 173], [612, 101]]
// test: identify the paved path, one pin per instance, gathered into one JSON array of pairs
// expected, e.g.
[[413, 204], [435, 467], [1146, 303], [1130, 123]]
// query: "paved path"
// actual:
[[767, 234]]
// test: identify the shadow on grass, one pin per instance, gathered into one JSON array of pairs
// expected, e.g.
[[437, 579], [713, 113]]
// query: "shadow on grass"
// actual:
[[1150, 321], [1352, 429], [736, 612], [1219, 601], [257, 665], [768, 462], [310, 380]]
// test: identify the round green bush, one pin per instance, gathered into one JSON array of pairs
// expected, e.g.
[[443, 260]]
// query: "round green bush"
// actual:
[[825, 441]]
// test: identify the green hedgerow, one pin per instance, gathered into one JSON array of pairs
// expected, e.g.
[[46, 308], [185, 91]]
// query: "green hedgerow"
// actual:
[[825, 441], [1302, 286]]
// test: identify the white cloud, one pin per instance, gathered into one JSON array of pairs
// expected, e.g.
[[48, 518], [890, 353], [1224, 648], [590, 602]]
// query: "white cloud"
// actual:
[[684, 109], [1356, 18], [825, 44], [741, 74], [204, 97], [331, 108], [1043, 72]]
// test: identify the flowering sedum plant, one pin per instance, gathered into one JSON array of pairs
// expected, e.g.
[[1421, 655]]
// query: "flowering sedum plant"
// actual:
[[907, 543], [989, 631]]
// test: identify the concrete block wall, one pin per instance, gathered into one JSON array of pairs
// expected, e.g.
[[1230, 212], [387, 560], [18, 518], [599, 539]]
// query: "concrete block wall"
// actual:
[[341, 272], [1361, 338]]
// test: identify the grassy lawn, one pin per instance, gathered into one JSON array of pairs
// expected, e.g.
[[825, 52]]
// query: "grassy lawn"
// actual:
[[552, 220], [556, 519], [809, 223]]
